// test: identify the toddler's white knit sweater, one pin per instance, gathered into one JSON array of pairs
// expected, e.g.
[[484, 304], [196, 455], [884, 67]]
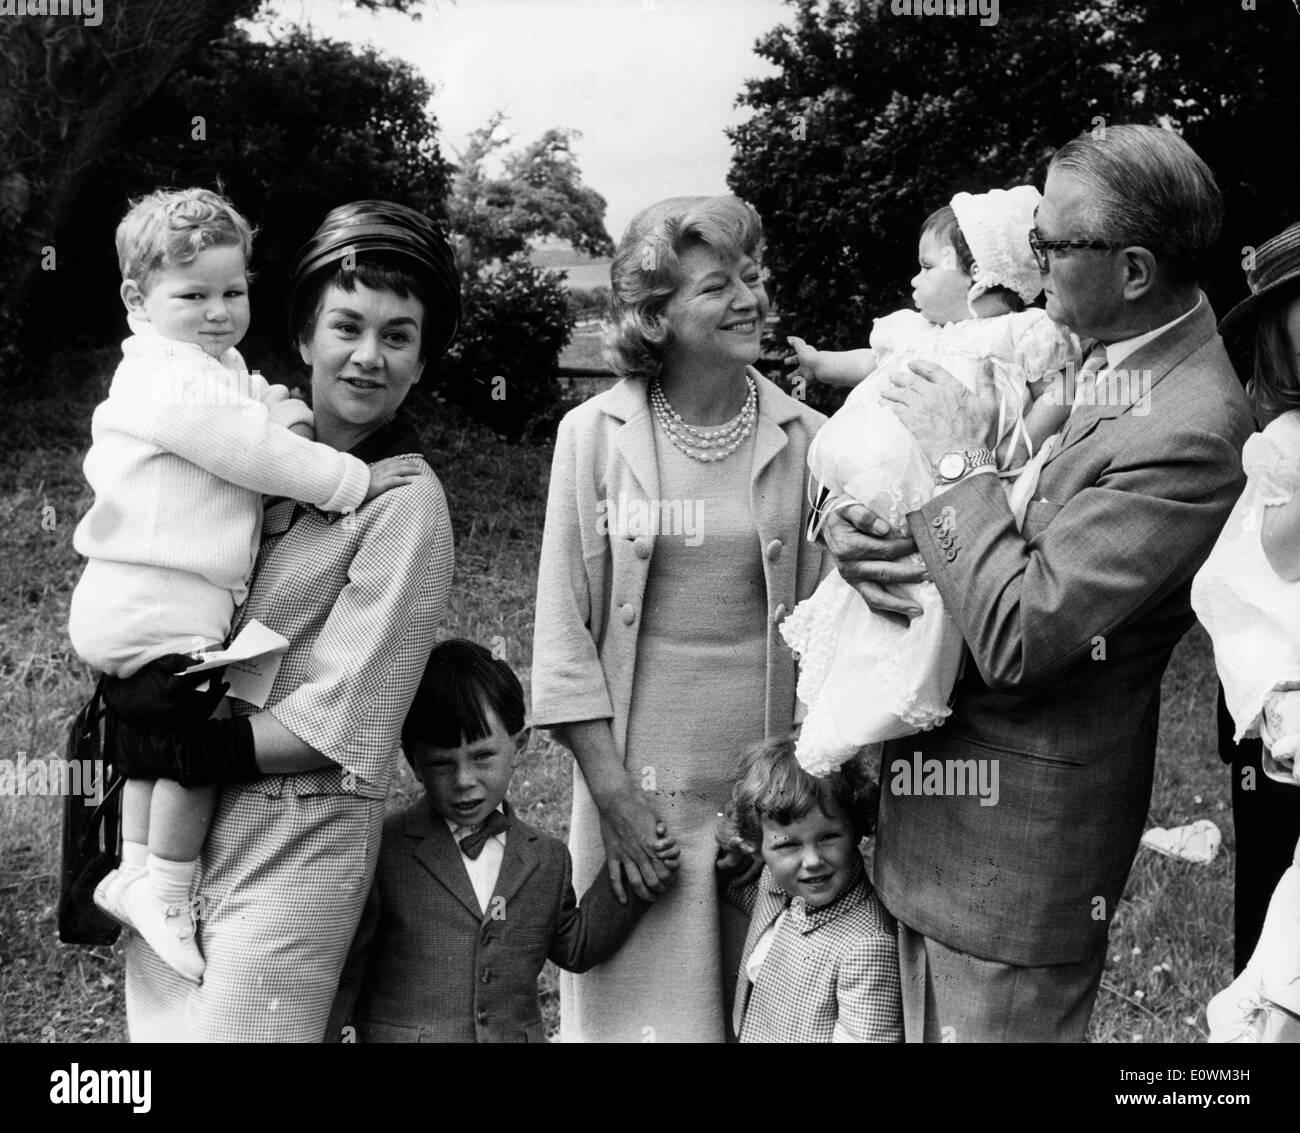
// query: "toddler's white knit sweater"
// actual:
[[182, 451]]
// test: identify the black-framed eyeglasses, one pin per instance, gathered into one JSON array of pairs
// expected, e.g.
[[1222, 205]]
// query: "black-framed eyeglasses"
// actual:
[[1041, 247]]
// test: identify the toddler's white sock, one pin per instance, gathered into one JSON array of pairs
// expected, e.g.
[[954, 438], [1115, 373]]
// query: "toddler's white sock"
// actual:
[[135, 855], [170, 881]]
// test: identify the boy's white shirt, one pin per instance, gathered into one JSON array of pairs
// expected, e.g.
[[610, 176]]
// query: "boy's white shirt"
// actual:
[[763, 946], [486, 868]]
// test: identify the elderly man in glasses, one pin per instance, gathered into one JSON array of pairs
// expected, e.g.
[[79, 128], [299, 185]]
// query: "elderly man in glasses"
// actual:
[[1069, 621]]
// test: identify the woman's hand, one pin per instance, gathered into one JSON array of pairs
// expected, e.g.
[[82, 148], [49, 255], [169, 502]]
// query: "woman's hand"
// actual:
[[393, 472], [162, 695], [216, 751], [868, 562], [634, 840]]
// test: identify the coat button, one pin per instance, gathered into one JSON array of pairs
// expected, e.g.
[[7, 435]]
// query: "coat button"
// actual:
[[642, 548], [778, 615], [487, 975], [627, 613], [481, 1015], [937, 521], [945, 541], [774, 550], [951, 555]]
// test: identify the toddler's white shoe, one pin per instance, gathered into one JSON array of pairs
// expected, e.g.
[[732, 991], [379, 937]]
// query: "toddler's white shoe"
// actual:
[[108, 893], [168, 929]]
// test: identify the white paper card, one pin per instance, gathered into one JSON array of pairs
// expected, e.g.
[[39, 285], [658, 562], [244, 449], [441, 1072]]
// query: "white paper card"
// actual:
[[252, 661]]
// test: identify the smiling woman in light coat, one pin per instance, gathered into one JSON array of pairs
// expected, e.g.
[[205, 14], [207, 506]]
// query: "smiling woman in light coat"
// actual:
[[673, 548]]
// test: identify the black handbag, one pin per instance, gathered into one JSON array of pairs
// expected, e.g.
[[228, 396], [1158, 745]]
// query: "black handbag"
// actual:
[[92, 836]]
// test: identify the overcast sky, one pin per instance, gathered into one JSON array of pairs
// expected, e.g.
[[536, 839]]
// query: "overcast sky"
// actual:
[[650, 83]]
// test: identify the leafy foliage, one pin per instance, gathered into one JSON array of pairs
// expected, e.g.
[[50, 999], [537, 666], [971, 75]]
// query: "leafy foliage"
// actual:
[[517, 317], [876, 119], [70, 88], [289, 130], [539, 194], [502, 369]]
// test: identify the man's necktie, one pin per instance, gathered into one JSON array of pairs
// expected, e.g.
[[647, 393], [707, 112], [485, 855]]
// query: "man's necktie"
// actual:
[[1085, 392], [1085, 382], [471, 845]]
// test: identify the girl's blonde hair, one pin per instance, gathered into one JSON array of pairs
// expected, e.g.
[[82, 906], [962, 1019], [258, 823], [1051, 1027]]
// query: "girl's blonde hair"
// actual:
[[646, 271], [169, 227], [772, 785]]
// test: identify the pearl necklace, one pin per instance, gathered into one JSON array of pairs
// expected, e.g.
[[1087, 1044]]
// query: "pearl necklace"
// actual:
[[705, 444]]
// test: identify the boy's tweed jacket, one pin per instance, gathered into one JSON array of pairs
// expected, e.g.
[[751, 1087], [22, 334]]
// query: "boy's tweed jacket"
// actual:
[[831, 974], [428, 966]]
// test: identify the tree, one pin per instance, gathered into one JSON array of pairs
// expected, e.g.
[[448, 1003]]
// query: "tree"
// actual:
[[69, 90], [504, 367], [540, 193], [876, 119], [347, 124]]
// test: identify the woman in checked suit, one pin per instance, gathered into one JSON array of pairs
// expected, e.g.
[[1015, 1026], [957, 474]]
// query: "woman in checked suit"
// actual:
[[291, 852]]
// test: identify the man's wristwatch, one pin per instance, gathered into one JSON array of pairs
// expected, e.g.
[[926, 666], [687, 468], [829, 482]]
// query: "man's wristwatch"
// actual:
[[952, 466]]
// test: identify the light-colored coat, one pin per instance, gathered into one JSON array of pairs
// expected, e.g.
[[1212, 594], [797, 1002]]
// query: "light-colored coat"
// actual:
[[592, 575]]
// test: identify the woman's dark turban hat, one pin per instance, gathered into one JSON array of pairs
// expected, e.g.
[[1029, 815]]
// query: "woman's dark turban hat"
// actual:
[[383, 226]]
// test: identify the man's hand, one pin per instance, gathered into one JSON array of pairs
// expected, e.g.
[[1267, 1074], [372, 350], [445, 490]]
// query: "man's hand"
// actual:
[[941, 413], [868, 562]]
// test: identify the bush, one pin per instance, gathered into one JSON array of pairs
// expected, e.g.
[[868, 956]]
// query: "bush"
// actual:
[[872, 121], [291, 129], [503, 368]]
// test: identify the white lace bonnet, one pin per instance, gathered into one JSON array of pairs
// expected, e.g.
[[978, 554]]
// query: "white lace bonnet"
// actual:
[[996, 226]]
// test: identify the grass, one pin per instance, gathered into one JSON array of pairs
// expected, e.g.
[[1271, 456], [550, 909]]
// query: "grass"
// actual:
[[1171, 935], [496, 494]]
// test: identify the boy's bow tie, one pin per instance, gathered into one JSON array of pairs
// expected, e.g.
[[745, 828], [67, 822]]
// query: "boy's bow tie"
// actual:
[[471, 845]]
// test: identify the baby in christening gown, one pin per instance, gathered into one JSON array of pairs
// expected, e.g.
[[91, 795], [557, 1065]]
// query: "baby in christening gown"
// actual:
[[865, 677]]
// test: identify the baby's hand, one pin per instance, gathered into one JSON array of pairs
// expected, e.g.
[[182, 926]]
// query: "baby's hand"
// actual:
[[806, 356], [393, 472], [289, 409]]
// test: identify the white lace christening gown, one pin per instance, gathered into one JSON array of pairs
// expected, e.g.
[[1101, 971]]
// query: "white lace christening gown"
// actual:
[[865, 677], [1251, 614]]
